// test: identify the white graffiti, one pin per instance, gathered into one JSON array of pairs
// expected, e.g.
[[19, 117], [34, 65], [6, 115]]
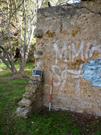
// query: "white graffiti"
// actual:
[[61, 53], [61, 76], [70, 52]]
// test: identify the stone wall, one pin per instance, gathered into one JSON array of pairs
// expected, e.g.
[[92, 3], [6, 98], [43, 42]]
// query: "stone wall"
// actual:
[[69, 47], [32, 100]]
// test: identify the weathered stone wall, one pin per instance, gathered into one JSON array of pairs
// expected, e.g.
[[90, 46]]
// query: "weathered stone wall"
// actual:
[[32, 100], [69, 45]]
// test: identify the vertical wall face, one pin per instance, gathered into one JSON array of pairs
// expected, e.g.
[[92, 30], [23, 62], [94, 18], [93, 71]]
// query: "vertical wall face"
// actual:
[[71, 44]]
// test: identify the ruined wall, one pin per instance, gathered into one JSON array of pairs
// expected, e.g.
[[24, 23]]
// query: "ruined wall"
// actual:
[[69, 46], [32, 99]]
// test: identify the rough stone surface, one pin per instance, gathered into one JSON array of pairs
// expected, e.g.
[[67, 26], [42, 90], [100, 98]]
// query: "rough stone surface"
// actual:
[[32, 100], [71, 39], [23, 112], [25, 102]]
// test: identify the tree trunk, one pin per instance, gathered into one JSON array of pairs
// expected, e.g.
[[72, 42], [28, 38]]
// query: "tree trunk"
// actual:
[[22, 66]]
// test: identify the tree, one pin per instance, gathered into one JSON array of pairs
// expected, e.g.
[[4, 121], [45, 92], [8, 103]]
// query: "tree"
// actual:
[[20, 15]]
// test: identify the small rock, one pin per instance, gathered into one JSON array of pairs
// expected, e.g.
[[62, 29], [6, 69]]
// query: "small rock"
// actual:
[[25, 102], [28, 95], [23, 112]]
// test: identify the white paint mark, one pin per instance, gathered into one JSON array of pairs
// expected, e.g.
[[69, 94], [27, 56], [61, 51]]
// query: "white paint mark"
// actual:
[[78, 52], [67, 53], [61, 76]]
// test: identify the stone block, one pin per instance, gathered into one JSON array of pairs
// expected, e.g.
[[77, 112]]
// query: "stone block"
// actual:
[[25, 102], [23, 112]]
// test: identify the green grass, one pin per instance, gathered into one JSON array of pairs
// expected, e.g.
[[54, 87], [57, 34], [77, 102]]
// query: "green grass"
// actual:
[[45, 123], [28, 69]]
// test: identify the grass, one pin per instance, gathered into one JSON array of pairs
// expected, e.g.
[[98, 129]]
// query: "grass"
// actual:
[[44, 123]]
